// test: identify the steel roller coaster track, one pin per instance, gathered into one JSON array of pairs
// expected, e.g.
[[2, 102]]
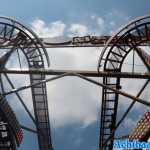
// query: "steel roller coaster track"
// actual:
[[132, 37]]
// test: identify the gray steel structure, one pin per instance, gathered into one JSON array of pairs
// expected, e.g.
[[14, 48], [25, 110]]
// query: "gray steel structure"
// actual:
[[112, 58], [14, 36], [10, 130], [19, 37]]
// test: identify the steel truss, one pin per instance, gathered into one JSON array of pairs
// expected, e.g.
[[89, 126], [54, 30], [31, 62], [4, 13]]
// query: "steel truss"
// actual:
[[19, 37], [112, 60], [11, 134], [14, 36]]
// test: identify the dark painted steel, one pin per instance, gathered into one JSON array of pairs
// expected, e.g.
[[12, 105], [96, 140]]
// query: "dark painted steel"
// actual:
[[85, 41], [113, 89], [111, 59], [137, 75], [17, 36], [28, 129]]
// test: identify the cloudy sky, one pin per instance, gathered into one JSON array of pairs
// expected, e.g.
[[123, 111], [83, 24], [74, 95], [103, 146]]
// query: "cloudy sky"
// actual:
[[74, 104]]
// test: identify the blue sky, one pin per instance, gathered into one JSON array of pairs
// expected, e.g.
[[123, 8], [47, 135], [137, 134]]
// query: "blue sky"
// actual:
[[70, 10], [71, 129]]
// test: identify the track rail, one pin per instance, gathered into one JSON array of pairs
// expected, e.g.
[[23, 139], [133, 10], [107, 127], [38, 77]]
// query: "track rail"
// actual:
[[19, 37], [111, 59]]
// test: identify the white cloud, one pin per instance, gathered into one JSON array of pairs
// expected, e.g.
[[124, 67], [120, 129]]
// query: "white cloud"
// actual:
[[57, 28], [74, 103], [95, 25], [93, 17], [78, 30], [100, 21], [53, 29]]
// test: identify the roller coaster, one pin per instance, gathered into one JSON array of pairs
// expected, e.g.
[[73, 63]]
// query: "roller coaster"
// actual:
[[15, 37]]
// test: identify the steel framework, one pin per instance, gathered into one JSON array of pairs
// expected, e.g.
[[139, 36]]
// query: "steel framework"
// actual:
[[113, 60], [20, 37], [132, 37]]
